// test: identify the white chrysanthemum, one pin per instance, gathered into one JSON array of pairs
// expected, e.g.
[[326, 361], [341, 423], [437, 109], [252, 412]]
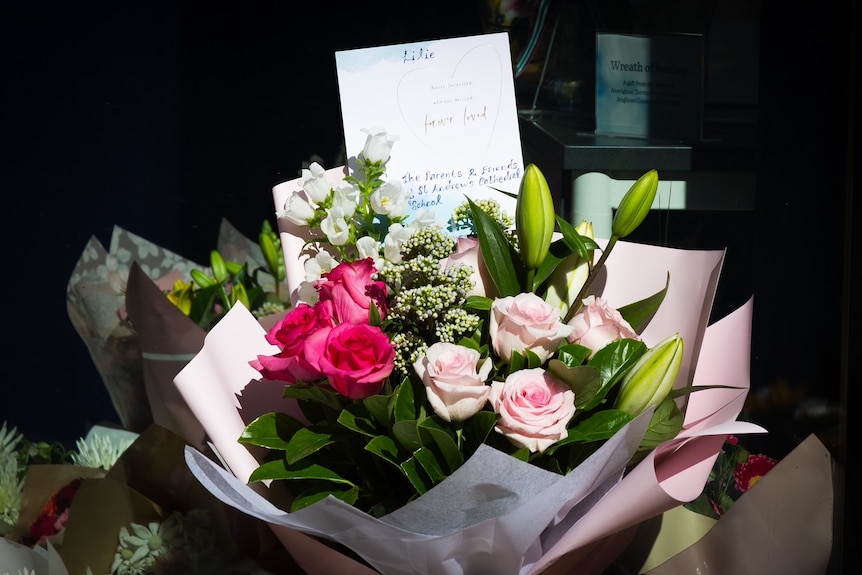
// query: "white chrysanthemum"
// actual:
[[99, 451]]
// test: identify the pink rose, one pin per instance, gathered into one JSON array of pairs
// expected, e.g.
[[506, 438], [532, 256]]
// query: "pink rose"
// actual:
[[597, 324], [298, 335], [526, 322], [351, 290], [454, 382], [534, 408], [468, 253], [356, 359]]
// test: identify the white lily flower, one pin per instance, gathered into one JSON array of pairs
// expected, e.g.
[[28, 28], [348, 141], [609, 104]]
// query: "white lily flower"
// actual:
[[569, 277], [390, 200], [378, 144], [335, 226], [314, 182]]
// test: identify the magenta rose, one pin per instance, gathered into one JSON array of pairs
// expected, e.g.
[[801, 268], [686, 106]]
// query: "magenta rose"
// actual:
[[597, 324], [454, 380], [352, 291], [298, 336], [526, 322], [534, 408], [356, 359]]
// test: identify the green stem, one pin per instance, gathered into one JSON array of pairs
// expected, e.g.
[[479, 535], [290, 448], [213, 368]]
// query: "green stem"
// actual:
[[578, 303]]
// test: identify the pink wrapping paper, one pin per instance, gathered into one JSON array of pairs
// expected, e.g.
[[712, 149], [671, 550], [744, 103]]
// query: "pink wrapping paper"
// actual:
[[672, 474]]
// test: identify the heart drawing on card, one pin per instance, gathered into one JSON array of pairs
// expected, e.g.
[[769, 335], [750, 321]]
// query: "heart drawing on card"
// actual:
[[454, 113]]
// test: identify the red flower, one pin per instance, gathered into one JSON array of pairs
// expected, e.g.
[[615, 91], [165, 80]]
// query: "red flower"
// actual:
[[752, 471], [54, 515]]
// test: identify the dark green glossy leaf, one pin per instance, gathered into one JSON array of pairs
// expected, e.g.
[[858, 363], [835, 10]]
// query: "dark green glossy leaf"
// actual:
[[355, 417], [432, 431], [271, 430], [497, 253], [477, 428], [428, 460], [613, 361], [665, 424], [305, 442], [640, 313], [312, 496], [405, 407], [385, 447], [556, 254], [407, 435], [380, 408], [278, 469], [416, 475], [305, 392], [584, 380], [572, 354]]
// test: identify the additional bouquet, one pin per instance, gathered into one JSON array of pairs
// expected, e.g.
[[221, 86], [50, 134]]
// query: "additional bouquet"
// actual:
[[139, 337], [749, 518], [484, 394], [119, 503]]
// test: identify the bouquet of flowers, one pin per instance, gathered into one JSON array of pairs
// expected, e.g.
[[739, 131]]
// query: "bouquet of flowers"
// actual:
[[470, 390], [143, 310]]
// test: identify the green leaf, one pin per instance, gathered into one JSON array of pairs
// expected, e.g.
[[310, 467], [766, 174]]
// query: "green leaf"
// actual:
[[478, 302], [355, 417], [578, 244], [305, 442], [416, 475], [584, 380], [497, 253], [379, 406], [271, 430], [573, 354], [665, 424], [317, 394], [431, 430], [613, 361], [405, 406], [279, 469], [640, 313], [311, 496], [558, 252], [476, 429], [428, 460], [406, 433], [384, 447]]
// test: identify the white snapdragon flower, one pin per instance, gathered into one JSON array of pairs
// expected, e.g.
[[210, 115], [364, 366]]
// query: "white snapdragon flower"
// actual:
[[335, 226], [390, 199], [297, 209], [378, 144], [313, 181], [397, 235]]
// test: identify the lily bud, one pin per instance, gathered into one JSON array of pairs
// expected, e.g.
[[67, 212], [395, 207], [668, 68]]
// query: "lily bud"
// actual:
[[651, 378], [569, 276], [534, 217], [635, 205], [218, 266]]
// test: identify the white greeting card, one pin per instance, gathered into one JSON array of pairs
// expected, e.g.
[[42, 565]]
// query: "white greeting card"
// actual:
[[451, 103]]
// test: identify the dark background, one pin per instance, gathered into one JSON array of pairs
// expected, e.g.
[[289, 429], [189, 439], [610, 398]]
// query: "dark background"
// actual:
[[163, 118]]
